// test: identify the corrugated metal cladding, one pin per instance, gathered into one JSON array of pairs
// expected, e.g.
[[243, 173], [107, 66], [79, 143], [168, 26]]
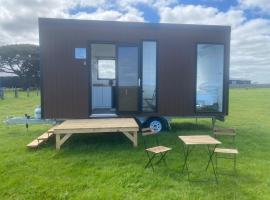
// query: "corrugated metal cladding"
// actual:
[[65, 80]]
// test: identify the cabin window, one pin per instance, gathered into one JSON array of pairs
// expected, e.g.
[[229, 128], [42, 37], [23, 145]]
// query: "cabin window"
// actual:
[[149, 67], [80, 53], [210, 68], [106, 69]]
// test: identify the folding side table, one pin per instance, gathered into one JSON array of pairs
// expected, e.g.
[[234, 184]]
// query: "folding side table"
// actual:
[[193, 140]]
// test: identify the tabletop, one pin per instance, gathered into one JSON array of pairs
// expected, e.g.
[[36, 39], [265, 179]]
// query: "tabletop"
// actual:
[[98, 123], [198, 139]]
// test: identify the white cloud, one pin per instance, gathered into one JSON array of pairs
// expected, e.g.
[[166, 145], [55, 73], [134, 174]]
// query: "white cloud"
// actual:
[[133, 15], [263, 5], [251, 49], [100, 14], [156, 3], [111, 15], [90, 3], [250, 39], [19, 18], [200, 15]]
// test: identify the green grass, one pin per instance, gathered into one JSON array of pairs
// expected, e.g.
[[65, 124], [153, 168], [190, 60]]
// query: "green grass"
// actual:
[[108, 167]]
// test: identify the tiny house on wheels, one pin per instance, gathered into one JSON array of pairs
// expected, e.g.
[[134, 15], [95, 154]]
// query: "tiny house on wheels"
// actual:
[[150, 71]]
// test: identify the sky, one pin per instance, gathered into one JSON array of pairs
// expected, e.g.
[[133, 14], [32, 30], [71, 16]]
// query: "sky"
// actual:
[[249, 19]]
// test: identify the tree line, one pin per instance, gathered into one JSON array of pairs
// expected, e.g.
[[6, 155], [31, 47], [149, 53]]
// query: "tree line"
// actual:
[[22, 63]]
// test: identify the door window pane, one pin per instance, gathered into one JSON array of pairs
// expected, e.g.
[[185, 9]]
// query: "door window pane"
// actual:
[[149, 66], [128, 66], [128, 62], [209, 88], [106, 69]]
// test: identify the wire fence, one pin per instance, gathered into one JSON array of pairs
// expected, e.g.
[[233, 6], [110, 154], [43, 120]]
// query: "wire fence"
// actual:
[[7, 93]]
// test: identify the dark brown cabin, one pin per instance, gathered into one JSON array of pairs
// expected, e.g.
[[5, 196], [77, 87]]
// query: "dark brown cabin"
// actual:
[[103, 68]]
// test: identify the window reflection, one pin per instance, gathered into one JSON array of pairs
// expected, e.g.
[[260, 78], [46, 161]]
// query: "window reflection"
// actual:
[[128, 66], [209, 89], [149, 76], [106, 69], [128, 77]]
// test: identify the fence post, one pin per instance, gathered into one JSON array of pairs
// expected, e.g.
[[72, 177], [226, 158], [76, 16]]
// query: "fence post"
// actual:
[[2, 96], [27, 90], [15, 92]]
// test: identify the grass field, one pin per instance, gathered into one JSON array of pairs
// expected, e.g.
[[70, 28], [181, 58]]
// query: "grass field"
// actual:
[[108, 167]]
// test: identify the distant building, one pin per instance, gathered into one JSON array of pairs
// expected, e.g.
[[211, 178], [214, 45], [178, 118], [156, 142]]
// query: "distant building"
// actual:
[[240, 82]]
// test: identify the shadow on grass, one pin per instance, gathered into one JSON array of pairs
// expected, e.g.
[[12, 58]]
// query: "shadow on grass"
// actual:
[[188, 126], [99, 144]]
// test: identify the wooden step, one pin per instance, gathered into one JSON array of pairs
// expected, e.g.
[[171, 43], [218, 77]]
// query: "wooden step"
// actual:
[[35, 143], [51, 130], [41, 139], [45, 136]]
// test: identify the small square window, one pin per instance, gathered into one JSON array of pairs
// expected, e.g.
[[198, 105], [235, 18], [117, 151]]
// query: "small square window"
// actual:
[[106, 69], [80, 53]]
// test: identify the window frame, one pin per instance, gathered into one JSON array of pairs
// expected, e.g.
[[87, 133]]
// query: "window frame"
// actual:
[[223, 80]]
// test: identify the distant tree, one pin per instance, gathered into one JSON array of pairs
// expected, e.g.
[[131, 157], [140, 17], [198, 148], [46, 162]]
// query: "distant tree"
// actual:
[[23, 61]]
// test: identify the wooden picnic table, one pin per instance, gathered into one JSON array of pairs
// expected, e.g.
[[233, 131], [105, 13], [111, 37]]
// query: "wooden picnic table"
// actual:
[[193, 140]]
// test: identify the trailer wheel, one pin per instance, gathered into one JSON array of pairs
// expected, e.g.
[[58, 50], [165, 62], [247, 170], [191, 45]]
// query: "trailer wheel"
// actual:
[[157, 124]]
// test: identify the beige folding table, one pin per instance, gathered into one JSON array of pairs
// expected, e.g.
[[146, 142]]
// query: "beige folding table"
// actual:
[[193, 140]]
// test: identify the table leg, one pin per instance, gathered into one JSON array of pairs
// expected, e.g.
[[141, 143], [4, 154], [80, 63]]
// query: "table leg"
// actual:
[[211, 153], [135, 138], [187, 151], [162, 157], [235, 164], [150, 160], [57, 141]]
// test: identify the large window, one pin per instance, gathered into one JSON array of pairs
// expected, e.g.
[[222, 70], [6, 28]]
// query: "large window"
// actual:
[[209, 88], [149, 66]]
